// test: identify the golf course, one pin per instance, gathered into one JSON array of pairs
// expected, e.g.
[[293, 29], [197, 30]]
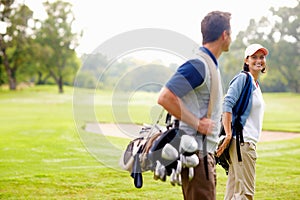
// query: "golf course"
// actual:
[[45, 153]]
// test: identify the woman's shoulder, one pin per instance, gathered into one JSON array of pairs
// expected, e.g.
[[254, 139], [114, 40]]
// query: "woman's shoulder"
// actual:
[[240, 77]]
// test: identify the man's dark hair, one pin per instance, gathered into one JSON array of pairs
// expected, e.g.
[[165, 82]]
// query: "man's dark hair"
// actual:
[[213, 25]]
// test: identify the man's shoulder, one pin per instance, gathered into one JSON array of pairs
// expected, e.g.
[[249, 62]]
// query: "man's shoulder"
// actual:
[[194, 63]]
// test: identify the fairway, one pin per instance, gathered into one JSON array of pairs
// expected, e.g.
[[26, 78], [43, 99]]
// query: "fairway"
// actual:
[[42, 156]]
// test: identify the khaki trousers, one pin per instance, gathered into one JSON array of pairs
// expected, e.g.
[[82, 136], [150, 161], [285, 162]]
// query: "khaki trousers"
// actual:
[[241, 177], [199, 188]]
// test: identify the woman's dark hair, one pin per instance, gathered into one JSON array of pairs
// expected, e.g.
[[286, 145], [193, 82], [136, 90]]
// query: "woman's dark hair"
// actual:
[[246, 68], [213, 25]]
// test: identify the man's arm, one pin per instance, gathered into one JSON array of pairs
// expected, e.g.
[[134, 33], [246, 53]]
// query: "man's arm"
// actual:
[[173, 104]]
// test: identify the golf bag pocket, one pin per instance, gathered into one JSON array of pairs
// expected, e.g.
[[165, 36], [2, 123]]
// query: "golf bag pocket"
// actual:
[[165, 150], [138, 147]]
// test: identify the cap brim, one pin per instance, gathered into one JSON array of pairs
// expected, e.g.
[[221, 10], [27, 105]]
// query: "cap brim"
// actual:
[[253, 51], [266, 52]]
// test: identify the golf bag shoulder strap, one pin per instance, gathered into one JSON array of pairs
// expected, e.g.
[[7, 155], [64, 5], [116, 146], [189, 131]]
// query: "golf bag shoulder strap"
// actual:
[[214, 81], [243, 100], [239, 110], [214, 88]]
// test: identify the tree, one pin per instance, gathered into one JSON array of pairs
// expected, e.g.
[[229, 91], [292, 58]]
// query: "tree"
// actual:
[[15, 42], [280, 34], [287, 28], [56, 35], [91, 73], [40, 56], [149, 77]]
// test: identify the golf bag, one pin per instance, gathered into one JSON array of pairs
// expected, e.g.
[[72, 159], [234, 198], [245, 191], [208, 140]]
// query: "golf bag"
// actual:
[[136, 159], [163, 152]]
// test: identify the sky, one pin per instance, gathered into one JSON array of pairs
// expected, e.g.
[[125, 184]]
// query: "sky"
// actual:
[[101, 20]]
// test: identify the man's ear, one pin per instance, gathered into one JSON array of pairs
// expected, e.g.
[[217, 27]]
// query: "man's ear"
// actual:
[[225, 34]]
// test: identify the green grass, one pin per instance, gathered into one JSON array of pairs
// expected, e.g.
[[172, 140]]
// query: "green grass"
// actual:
[[43, 154], [282, 112]]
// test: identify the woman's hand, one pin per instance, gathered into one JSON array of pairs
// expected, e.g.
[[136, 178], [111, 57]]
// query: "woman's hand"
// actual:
[[223, 146], [226, 120]]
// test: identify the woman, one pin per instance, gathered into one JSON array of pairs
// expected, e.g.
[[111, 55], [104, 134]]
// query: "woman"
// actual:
[[241, 176]]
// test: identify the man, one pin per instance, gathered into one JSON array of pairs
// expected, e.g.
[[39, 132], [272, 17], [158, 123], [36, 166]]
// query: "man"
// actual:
[[186, 96]]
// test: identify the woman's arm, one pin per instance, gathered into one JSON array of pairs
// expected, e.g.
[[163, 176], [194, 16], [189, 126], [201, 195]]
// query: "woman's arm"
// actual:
[[226, 120]]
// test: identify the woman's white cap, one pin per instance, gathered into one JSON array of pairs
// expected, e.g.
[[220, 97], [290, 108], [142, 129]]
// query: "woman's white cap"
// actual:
[[251, 49]]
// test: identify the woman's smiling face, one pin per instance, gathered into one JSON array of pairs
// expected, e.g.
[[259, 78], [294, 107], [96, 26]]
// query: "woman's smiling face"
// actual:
[[256, 62]]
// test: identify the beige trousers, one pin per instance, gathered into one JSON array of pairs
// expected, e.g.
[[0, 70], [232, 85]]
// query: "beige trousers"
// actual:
[[241, 177]]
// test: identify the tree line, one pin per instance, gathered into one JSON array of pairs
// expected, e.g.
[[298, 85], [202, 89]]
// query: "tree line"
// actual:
[[281, 35], [43, 52], [35, 50]]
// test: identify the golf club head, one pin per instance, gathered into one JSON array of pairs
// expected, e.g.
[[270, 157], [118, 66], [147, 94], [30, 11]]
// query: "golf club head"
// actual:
[[190, 161], [179, 167], [178, 172], [169, 152], [160, 171], [191, 173], [188, 144], [157, 170], [179, 180], [173, 177]]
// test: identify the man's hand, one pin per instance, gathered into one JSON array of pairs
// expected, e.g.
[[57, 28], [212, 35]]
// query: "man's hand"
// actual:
[[205, 126]]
